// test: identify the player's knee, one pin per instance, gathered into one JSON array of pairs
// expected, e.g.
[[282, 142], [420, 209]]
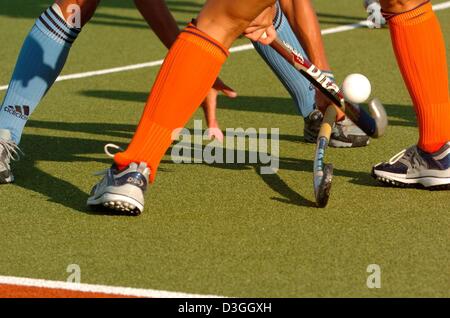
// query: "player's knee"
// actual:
[[399, 6], [226, 20], [78, 12], [248, 14], [223, 28]]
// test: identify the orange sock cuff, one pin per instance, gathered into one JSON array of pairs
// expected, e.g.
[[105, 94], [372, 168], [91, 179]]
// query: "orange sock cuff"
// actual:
[[204, 41], [410, 15]]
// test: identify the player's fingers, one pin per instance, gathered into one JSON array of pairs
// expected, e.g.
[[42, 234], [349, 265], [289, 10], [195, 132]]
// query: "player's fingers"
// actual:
[[228, 92], [340, 115], [252, 29], [214, 130], [269, 35], [215, 133], [263, 35], [224, 88], [255, 35]]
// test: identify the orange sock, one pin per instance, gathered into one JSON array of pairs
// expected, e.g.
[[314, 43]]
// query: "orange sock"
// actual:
[[189, 71], [420, 49]]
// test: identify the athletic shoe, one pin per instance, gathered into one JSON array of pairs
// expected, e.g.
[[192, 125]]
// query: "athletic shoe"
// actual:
[[8, 151], [413, 167], [121, 190], [312, 126], [345, 133]]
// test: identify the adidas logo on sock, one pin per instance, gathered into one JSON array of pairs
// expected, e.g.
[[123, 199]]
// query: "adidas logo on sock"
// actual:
[[21, 112]]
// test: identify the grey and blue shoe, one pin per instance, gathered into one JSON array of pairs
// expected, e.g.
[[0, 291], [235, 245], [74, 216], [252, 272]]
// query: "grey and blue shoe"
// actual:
[[121, 190], [9, 151], [413, 167], [345, 133]]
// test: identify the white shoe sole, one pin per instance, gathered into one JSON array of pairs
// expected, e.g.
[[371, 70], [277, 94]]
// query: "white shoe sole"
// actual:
[[117, 202], [400, 180]]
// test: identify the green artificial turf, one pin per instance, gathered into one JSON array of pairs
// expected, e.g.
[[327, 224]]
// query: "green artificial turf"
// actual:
[[216, 229]]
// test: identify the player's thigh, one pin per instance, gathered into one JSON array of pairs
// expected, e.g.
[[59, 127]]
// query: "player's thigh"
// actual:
[[398, 6], [225, 20], [86, 8]]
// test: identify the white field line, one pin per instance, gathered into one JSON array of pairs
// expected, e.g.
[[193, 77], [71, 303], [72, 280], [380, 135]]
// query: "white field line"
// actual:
[[240, 48], [88, 288]]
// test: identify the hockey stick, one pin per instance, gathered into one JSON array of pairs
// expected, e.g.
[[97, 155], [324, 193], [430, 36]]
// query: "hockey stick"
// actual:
[[373, 125]]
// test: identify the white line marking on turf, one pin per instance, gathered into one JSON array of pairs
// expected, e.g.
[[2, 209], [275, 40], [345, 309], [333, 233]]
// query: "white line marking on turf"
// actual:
[[240, 48], [88, 288]]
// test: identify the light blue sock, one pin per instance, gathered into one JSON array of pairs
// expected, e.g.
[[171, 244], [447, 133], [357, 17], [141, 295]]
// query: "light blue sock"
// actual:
[[300, 89], [40, 61]]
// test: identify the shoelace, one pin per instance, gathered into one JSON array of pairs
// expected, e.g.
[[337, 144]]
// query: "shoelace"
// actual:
[[397, 157], [13, 151], [109, 154], [416, 160], [107, 146]]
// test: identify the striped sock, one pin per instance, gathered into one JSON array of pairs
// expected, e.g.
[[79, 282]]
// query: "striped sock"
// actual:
[[297, 85], [40, 61]]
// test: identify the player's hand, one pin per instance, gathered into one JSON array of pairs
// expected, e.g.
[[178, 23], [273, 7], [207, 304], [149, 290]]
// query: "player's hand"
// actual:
[[210, 105], [261, 29]]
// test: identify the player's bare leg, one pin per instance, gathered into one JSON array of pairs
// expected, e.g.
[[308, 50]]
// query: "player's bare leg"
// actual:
[[189, 70], [41, 60], [421, 55]]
